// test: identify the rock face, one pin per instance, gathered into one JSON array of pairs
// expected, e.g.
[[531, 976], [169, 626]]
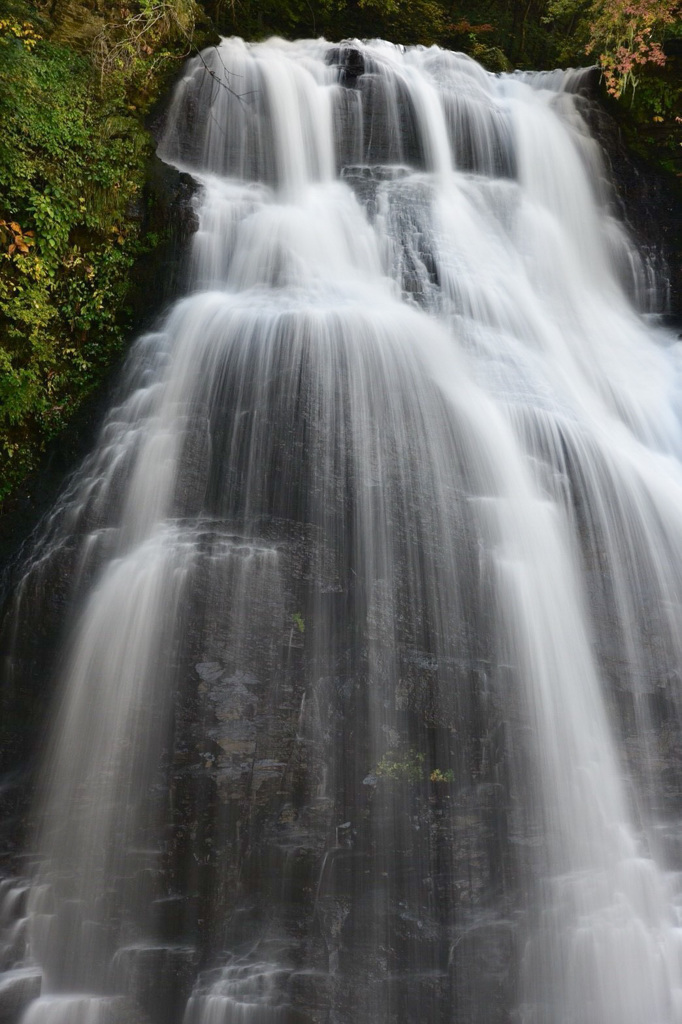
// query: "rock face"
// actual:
[[261, 852], [277, 859], [167, 210]]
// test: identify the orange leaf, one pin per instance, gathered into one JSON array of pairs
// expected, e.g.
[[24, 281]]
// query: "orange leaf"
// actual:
[[15, 227], [11, 249]]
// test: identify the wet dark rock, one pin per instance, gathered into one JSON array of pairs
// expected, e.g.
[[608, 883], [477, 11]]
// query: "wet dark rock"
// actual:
[[172, 917], [18, 988], [167, 210], [350, 62], [158, 978], [489, 948]]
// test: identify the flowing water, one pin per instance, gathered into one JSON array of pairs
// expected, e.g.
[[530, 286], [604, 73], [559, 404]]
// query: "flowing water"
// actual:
[[369, 594]]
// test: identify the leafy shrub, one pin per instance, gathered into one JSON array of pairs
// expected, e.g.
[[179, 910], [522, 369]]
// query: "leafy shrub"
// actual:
[[74, 153], [628, 34], [71, 163]]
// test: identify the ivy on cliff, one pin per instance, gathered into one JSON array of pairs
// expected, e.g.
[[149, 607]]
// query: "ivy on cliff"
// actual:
[[73, 158], [69, 166], [627, 35]]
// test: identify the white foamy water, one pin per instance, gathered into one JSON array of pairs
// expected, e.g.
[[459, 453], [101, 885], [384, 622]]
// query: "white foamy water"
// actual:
[[415, 332]]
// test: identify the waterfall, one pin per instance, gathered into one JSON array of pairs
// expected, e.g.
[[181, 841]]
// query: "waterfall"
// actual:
[[363, 613]]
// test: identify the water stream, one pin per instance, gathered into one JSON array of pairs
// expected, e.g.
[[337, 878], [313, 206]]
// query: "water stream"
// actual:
[[369, 648]]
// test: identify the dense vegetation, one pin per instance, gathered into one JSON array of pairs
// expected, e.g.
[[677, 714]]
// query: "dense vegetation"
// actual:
[[77, 78], [73, 160]]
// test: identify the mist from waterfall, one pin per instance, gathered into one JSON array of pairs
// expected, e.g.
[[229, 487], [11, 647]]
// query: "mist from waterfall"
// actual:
[[369, 643]]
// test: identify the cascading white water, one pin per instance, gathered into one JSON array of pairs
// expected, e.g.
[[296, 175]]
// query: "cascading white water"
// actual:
[[400, 475]]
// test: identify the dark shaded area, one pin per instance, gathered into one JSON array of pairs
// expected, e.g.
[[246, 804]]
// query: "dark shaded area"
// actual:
[[648, 199]]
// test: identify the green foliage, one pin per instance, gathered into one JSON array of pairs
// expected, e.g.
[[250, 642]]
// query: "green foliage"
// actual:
[[651, 116], [409, 766], [71, 163], [568, 26], [627, 35], [401, 766], [136, 48], [73, 159], [406, 21], [659, 96]]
